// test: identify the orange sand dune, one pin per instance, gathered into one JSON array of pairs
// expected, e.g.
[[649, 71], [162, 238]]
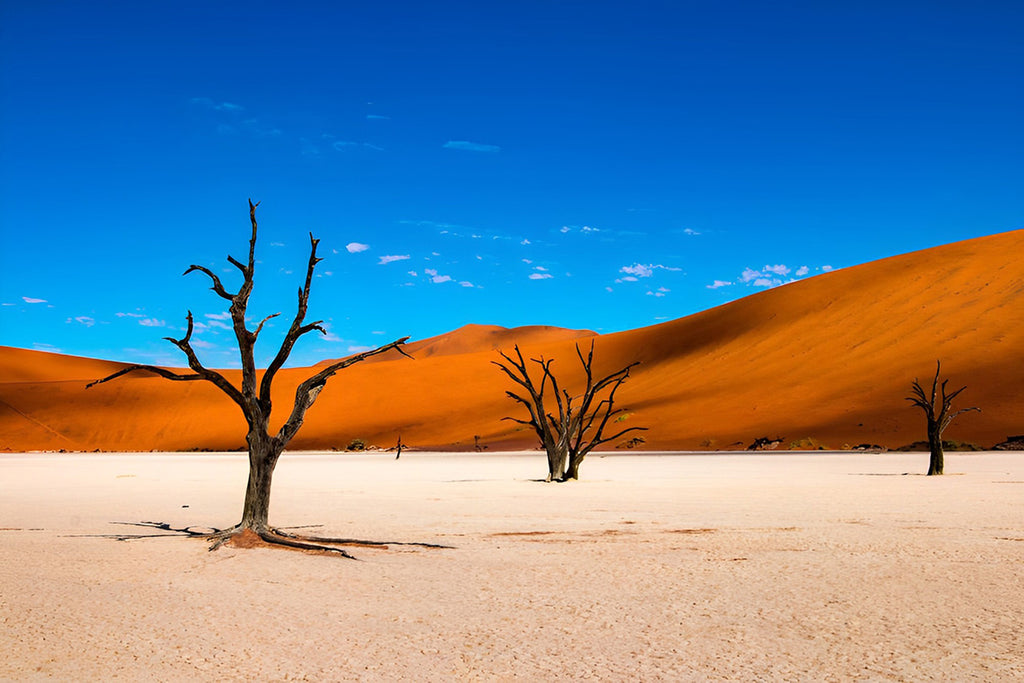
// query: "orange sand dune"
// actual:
[[474, 338], [830, 358]]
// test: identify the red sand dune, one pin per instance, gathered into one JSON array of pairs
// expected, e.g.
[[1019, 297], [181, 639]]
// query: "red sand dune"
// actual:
[[830, 358]]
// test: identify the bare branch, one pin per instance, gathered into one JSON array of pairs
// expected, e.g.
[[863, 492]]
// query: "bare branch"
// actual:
[[573, 429], [949, 418], [259, 327], [307, 392], [217, 286], [296, 329], [615, 436], [237, 264], [210, 375], [937, 409], [166, 374]]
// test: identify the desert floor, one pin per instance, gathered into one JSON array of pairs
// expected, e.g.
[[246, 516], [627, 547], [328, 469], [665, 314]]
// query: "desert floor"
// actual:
[[674, 567]]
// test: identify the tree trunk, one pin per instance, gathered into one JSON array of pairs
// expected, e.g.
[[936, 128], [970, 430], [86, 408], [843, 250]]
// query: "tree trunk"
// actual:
[[935, 461], [556, 462], [573, 470], [262, 461]]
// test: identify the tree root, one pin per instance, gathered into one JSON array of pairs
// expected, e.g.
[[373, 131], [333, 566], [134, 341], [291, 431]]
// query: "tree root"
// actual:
[[247, 538]]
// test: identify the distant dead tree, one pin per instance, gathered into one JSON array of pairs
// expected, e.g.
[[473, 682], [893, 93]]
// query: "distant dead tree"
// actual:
[[254, 397], [936, 406], [576, 425]]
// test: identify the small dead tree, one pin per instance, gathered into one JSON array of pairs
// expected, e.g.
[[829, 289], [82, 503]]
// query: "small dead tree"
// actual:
[[936, 406], [254, 396], [576, 425]]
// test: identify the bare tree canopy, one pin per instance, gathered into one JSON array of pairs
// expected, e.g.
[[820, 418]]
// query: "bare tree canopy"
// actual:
[[576, 425], [937, 406], [254, 395]]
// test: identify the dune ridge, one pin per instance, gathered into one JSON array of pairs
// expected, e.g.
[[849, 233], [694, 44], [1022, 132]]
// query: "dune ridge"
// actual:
[[829, 359]]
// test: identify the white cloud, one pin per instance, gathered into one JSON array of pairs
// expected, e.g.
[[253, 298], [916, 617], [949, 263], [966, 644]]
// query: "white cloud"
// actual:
[[152, 322], [277, 244], [465, 283], [541, 269], [826, 269], [527, 261], [541, 276], [641, 270], [200, 344], [82, 320], [638, 270], [216, 320], [356, 247], [718, 284], [467, 146], [749, 274], [390, 258], [414, 273], [777, 269], [32, 300], [688, 231], [435, 278], [770, 275], [525, 242], [359, 349], [586, 229], [130, 315]]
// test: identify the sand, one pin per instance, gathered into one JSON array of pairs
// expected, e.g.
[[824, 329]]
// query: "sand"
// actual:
[[672, 567], [827, 360]]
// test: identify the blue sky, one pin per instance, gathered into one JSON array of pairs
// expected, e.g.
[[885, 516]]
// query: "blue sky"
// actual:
[[601, 165]]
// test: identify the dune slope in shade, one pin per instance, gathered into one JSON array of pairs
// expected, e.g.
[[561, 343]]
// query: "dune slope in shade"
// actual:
[[830, 358]]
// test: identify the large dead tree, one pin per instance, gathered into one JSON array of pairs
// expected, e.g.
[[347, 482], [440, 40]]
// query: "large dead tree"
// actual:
[[937, 406], [576, 424], [253, 397]]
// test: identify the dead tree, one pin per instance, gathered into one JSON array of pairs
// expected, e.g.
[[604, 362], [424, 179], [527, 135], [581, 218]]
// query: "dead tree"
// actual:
[[254, 395], [576, 425], [936, 406]]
